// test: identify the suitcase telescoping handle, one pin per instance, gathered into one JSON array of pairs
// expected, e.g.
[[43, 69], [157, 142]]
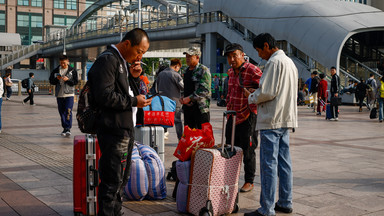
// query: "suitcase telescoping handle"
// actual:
[[226, 113]]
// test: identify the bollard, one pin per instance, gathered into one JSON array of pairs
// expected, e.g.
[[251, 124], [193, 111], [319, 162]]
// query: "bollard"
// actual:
[[19, 88]]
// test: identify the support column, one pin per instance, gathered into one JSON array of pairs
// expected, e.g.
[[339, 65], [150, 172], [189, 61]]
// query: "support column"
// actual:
[[84, 59], [209, 52]]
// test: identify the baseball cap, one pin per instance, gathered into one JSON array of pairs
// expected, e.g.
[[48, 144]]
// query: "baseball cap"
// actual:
[[232, 47], [193, 51]]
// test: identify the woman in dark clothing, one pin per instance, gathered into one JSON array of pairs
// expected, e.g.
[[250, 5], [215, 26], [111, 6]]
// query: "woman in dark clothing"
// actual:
[[138, 87], [361, 91]]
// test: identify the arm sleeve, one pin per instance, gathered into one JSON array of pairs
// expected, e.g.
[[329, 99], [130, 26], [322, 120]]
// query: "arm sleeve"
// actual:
[[103, 84], [74, 79], [52, 79], [268, 91], [204, 87]]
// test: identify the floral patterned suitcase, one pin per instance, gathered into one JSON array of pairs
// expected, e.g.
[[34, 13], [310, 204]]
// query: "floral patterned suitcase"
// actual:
[[214, 179]]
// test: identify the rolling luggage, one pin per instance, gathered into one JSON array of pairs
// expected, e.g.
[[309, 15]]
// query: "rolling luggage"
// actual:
[[86, 154], [152, 136], [328, 113], [214, 178]]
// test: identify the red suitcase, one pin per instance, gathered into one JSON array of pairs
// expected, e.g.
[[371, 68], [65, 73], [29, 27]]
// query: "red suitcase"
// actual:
[[86, 154]]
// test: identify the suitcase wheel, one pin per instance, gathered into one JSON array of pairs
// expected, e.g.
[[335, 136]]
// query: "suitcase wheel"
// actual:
[[207, 210]]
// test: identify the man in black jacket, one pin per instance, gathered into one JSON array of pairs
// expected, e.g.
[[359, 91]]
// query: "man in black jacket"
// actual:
[[335, 88], [113, 96], [65, 79], [314, 89]]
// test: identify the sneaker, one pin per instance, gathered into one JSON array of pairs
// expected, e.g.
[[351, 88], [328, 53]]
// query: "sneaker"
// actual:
[[0, 131], [64, 133], [33, 104], [23, 102], [318, 113], [8, 98], [246, 187], [332, 119], [283, 209], [68, 133], [336, 119]]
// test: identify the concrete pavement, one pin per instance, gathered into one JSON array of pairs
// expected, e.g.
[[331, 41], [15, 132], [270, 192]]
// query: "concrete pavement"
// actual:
[[337, 166]]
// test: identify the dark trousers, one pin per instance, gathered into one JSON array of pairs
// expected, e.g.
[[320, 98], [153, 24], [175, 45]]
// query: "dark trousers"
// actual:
[[193, 117], [30, 97], [65, 105], [114, 168], [361, 100], [243, 134], [334, 109], [9, 91]]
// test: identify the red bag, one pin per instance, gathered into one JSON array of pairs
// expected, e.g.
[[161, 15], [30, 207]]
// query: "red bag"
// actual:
[[193, 139]]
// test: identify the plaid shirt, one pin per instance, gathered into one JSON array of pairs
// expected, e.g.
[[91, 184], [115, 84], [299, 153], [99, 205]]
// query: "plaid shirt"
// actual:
[[235, 98]]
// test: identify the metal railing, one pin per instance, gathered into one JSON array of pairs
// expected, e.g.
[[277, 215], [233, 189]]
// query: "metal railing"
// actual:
[[19, 53]]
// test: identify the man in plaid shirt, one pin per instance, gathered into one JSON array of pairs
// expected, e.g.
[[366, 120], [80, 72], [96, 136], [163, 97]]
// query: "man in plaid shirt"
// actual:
[[242, 74]]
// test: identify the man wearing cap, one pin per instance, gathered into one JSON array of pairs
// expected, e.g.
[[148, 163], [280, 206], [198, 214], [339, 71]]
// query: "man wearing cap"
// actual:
[[242, 74], [197, 90]]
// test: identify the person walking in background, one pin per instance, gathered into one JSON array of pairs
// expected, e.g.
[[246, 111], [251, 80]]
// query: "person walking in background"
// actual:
[[314, 88], [277, 113], [216, 83], [242, 75], [113, 95], [307, 88], [30, 90], [64, 77], [335, 88], [380, 98], [8, 84], [371, 91], [197, 90], [170, 83], [322, 94], [361, 92], [145, 80]]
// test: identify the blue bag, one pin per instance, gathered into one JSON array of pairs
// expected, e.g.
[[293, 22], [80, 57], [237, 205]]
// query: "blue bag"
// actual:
[[161, 112]]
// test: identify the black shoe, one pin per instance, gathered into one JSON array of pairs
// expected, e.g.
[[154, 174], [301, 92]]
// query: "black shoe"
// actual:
[[283, 209], [254, 213]]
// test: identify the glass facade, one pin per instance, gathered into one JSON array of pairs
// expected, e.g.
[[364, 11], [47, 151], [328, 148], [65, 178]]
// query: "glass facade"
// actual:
[[2, 21], [63, 20], [71, 5], [58, 4], [37, 3], [30, 27], [23, 2], [2, 1]]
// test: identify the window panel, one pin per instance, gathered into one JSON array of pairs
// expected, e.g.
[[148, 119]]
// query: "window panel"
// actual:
[[58, 4], [71, 4], [29, 26], [36, 3], [2, 1], [2, 21], [23, 2], [89, 3]]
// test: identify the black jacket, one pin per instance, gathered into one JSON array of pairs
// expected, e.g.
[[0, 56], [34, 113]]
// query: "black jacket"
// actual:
[[335, 84], [315, 84], [108, 80], [69, 85]]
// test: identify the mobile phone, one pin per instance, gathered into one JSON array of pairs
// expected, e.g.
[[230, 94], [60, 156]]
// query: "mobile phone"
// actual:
[[154, 95]]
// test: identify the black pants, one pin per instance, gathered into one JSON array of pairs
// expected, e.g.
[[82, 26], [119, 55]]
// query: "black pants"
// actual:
[[30, 97], [193, 117], [334, 109], [361, 100], [114, 169], [243, 134]]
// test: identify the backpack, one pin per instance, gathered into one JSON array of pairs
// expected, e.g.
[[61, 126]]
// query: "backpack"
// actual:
[[369, 85], [24, 83], [86, 114]]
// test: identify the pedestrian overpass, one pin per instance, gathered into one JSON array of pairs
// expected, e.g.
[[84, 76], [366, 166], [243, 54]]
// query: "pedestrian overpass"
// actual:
[[316, 34]]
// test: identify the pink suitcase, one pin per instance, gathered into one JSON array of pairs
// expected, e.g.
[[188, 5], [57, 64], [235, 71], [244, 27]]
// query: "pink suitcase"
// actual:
[[214, 178]]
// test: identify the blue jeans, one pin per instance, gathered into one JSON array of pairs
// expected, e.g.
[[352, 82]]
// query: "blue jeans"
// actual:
[[9, 91], [65, 105], [381, 103], [275, 162]]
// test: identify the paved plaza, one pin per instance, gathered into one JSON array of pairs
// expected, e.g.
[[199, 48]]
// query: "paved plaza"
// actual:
[[337, 166]]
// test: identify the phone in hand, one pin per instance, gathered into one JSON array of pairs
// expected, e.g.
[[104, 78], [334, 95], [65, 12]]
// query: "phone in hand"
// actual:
[[154, 95]]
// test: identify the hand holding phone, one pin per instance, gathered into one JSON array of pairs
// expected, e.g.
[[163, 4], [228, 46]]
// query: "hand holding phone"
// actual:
[[154, 95]]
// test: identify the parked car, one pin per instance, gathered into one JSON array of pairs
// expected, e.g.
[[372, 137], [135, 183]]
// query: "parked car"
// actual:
[[15, 86]]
